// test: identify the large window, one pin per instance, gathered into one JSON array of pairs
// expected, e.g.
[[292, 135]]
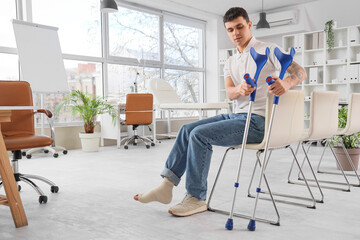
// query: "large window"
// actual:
[[182, 45], [134, 41], [7, 12], [79, 23], [120, 51], [9, 67], [134, 34], [84, 76], [125, 79]]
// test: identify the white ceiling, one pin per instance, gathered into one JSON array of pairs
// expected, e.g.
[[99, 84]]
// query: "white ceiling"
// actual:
[[219, 7]]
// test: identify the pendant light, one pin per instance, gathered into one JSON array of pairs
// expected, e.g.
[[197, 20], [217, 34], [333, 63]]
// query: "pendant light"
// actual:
[[262, 22], [108, 6]]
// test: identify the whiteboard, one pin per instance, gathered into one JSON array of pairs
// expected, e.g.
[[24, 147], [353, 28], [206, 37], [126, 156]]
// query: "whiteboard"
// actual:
[[40, 57]]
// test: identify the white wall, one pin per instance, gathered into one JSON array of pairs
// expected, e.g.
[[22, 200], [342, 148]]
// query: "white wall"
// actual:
[[345, 12]]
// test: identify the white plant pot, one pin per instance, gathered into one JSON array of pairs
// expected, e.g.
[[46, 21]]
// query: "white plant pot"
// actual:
[[90, 141]]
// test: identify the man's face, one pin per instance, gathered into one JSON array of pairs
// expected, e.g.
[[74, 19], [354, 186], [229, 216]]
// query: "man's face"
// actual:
[[239, 31]]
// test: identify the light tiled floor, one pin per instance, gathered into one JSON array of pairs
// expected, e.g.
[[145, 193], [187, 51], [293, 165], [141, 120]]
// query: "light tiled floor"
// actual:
[[96, 190]]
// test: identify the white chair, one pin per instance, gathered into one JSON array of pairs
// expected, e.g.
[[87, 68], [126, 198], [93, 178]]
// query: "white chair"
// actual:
[[323, 125], [352, 128], [166, 99], [286, 129]]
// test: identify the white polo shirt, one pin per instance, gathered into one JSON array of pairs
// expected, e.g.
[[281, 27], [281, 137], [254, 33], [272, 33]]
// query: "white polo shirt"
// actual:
[[241, 63]]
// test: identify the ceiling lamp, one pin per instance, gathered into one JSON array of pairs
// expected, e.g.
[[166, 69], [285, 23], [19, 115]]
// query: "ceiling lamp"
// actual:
[[108, 6], [262, 22]]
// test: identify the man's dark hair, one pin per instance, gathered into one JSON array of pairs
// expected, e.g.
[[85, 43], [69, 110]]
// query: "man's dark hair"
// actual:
[[234, 13]]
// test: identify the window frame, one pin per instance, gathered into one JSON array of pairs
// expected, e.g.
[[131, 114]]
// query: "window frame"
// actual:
[[24, 12]]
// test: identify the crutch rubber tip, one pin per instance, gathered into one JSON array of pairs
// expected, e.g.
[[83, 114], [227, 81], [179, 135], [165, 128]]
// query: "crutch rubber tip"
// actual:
[[251, 226], [229, 224]]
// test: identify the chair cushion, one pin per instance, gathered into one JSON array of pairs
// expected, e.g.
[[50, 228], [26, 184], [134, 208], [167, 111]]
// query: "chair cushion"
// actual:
[[26, 141]]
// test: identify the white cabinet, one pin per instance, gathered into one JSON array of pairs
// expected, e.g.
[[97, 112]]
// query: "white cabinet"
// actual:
[[335, 70]]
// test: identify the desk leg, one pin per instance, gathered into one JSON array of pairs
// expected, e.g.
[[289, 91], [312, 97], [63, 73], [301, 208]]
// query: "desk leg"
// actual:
[[200, 114], [118, 136], [154, 126], [169, 124], [11, 190]]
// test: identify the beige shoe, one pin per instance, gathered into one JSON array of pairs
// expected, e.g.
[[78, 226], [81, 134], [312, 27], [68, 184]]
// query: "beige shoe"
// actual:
[[189, 206]]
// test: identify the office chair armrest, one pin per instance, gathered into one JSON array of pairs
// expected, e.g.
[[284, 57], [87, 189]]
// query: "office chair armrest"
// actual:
[[49, 115], [45, 111]]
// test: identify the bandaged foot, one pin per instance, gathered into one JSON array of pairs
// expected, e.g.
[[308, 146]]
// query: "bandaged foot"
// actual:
[[162, 194]]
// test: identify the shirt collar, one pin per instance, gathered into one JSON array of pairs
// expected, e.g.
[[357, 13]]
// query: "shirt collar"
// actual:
[[250, 44], [247, 49]]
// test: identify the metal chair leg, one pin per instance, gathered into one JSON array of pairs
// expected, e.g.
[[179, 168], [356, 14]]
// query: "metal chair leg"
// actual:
[[312, 199], [33, 185], [321, 200], [45, 180], [324, 181], [350, 162], [276, 222]]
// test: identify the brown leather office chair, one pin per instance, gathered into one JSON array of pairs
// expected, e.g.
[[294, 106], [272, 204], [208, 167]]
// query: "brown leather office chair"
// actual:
[[20, 132], [138, 111]]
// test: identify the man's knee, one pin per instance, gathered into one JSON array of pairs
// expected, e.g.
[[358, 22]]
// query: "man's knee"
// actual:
[[196, 132], [186, 128]]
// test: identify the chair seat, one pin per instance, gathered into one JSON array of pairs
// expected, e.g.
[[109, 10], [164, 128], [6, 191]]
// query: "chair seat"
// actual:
[[253, 146], [197, 106], [27, 141], [345, 131]]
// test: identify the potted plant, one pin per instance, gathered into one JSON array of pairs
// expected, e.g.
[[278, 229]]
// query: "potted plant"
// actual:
[[330, 38], [350, 142], [88, 107]]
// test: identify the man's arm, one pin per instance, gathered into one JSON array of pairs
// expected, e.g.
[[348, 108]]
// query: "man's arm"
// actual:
[[297, 75], [233, 92]]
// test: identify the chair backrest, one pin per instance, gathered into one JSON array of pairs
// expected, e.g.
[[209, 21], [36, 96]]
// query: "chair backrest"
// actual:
[[163, 92], [17, 93], [139, 108], [288, 120], [353, 118], [323, 114]]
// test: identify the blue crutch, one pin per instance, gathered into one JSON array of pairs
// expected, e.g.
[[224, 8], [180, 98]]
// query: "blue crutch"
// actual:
[[260, 61], [285, 61]]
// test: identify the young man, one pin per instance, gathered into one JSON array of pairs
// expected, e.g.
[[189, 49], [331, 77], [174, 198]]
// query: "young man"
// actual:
[[193, 146]]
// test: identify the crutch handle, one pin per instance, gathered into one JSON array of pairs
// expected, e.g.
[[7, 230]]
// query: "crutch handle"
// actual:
[[269, 81], [252, 84]]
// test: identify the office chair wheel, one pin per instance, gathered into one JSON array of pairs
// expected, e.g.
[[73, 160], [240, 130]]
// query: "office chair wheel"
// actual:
[[152, 144], [55, 155], [126, 147], [65, 152], [54, 189], [19, 188], [43, 199], [134, 143], [46, 151], [147, 146], [23, 154], [28, 156]]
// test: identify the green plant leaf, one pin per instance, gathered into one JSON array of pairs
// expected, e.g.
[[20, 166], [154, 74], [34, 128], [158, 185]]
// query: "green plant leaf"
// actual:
[[348, 141], [87, 107]]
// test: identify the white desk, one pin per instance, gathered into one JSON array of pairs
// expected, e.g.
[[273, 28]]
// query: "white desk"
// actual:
[[16, 107], [200, 107]]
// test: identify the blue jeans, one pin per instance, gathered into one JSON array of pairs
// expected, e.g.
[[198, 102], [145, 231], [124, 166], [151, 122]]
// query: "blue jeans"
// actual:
[[193, 147]]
